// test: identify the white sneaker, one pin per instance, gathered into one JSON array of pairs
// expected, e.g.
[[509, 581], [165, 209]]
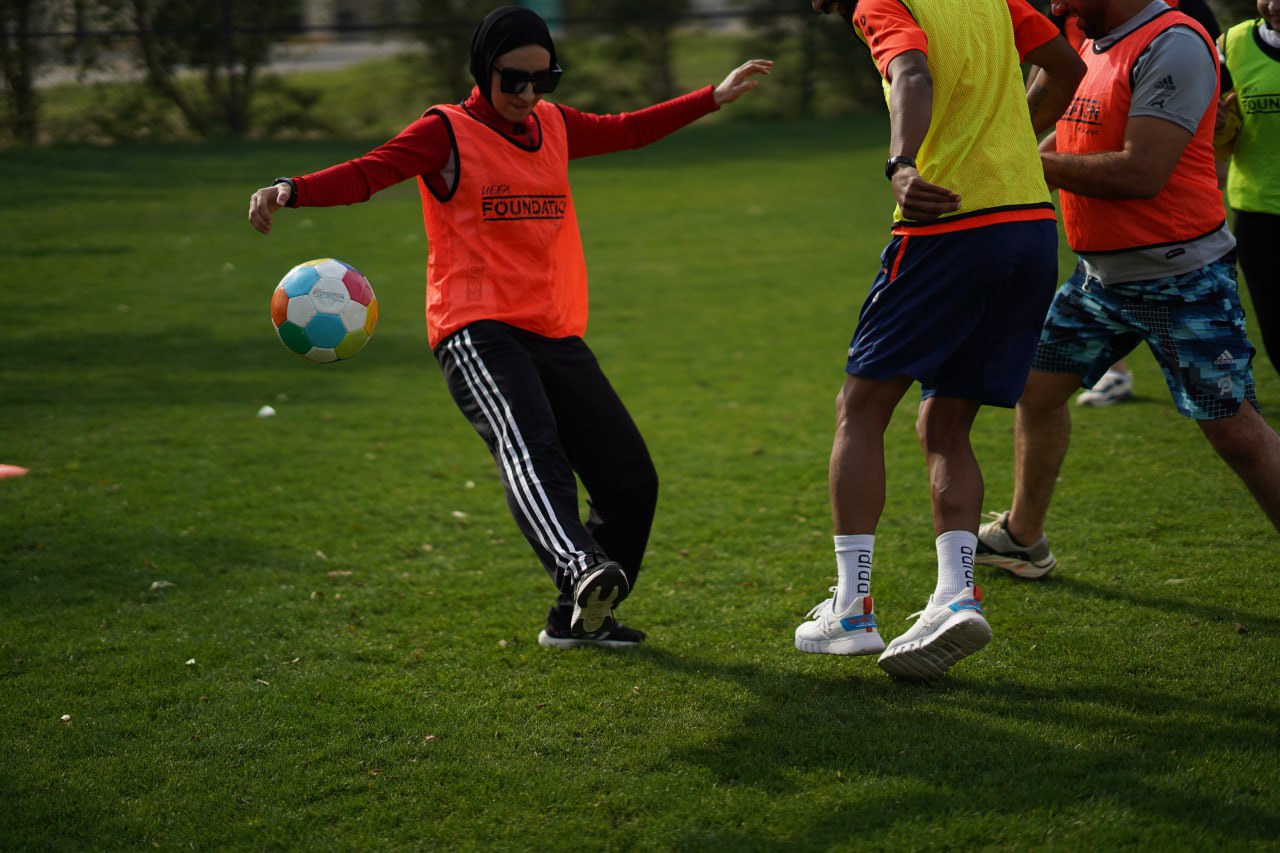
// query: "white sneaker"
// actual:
[[851, 632], [945, 632], [1114, 386]]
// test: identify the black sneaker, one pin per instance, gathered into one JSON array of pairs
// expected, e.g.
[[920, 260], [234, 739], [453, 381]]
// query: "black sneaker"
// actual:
[[619, 637], [596, 594]]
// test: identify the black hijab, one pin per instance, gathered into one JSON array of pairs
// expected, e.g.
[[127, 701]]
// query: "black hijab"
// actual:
[[504, 29]]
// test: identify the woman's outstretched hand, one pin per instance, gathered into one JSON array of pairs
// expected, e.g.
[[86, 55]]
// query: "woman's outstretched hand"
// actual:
[[739, 80]]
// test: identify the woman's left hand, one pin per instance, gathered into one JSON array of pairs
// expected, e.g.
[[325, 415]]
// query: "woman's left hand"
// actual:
[[739, 80]]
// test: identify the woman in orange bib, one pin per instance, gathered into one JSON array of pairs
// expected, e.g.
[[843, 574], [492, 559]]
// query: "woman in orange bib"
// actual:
[[506, 303]]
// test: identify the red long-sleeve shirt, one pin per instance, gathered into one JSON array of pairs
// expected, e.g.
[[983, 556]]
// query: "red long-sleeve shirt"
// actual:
[[425, 146]]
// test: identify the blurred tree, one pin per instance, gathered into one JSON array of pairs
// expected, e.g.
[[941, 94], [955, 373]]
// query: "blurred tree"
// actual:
[[1231, 12], [651, 35], [1226, 11], [444, 27], [822, 67], [207, 60], [22, 52], [633, 43]]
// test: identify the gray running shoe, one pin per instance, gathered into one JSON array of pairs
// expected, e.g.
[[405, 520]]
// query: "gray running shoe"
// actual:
[[997, 547]]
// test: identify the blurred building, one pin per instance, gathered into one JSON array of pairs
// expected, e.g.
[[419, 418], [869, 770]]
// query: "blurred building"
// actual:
[[344, 14]]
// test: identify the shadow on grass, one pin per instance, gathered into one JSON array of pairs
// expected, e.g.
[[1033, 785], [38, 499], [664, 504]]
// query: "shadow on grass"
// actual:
[[1190, 606], [182, 365], [966, 748], [46, 568]]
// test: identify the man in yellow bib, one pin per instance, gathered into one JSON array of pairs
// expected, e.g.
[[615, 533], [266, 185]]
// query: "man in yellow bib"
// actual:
[[958, 303]]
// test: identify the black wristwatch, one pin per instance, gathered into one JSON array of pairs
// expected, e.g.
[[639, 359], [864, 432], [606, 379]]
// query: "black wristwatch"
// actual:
[[293, 190], [893, 163]]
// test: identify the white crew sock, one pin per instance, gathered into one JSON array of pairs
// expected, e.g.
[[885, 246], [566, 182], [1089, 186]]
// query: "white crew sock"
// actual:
[[853, 568], [955, 564]]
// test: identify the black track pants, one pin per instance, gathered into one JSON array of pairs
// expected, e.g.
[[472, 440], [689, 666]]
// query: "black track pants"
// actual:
[[1257, 235], [546, 412]]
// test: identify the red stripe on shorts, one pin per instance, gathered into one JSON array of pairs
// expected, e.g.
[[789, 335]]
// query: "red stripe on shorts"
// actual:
[[897, 261]]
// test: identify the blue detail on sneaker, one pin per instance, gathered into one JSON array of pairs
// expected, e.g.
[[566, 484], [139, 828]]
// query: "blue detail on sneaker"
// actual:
[[852, 631], [861, 622], [945, 632]]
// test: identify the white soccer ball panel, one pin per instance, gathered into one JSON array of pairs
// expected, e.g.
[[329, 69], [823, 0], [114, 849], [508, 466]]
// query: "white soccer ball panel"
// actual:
[[300, 310], [330, 295], [329, 268], [353, 315], [324, 356]]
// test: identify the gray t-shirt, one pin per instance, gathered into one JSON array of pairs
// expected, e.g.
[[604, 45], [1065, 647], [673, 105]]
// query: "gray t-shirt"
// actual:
[[1175, 78]]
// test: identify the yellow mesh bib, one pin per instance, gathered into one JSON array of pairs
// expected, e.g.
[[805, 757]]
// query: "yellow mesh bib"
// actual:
[[980, 142]]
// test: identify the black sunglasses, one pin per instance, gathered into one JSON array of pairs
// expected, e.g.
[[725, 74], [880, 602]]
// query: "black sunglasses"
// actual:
[[514, 80]]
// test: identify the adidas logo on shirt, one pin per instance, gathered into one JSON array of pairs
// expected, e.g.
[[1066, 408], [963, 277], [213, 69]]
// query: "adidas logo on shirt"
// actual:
[[1226, 359], [1166, 83]]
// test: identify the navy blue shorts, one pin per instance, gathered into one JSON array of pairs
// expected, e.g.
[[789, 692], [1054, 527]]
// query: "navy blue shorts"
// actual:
[[959, 312]]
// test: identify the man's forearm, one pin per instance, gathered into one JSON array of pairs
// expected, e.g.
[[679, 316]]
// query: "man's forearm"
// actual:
[[1109, 174], [1054, 77], [910, 112], [1047, 98]]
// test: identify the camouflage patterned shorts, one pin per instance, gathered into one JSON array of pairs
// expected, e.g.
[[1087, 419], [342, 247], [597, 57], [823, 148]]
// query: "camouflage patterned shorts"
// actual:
[[1193, 322]]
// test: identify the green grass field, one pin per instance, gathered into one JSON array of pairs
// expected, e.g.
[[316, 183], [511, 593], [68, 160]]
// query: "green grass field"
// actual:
[[317, 631]]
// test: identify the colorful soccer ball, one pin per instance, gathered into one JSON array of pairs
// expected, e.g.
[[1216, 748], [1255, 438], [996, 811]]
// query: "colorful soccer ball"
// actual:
[[324, 310]]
